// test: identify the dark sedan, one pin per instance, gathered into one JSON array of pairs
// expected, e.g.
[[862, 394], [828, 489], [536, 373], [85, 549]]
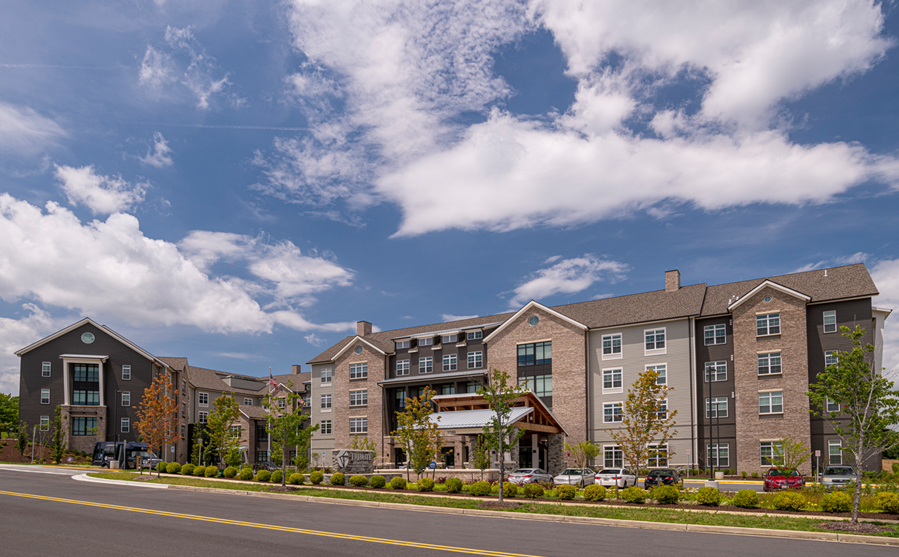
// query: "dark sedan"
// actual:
[[781, 478], [664, 476]]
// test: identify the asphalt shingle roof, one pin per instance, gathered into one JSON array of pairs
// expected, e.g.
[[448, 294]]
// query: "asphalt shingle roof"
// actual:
[[210, 379], [178, 364], [636, 308]]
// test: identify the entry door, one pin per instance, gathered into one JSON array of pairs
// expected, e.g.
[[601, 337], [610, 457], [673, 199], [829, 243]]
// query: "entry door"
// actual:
[[525, 457]]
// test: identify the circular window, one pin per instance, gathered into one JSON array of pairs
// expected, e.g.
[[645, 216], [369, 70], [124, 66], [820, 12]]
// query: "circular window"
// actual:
[[358, 350], [767, 299], [87, 338], [533, 320]]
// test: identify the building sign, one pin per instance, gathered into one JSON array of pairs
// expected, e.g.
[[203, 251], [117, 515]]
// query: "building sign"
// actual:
[[350, 461]]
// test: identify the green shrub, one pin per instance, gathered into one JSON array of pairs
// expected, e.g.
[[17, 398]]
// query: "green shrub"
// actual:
[[316, 477], [888, 502], [173, 468], [230, 472], [162, 467], [789, 501], [565, 491], [510, 490], [211, 471], [398, 483], [425, 484], [633, 494], [295, 479], [277, 476], [188, 469], [377, 481], [479, 489], [708, 496], [666, 494], [263, 476], [535, 490], [836, 503], [452, 485], [746, 499], [595, 493], [744, 474], [199, 471], [755, 474], [358, 480], [246, 474], [337, 478]]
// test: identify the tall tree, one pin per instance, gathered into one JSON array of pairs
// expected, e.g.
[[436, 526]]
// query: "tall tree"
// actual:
[[583, 452], [9, 413], [221, 425], [157, 414], [416, 433], [287, 423], [501, 433], [58, 447], [647, 423], [860, 404]]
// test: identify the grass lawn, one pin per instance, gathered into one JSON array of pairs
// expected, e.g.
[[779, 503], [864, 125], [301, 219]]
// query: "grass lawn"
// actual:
[[673, 516]]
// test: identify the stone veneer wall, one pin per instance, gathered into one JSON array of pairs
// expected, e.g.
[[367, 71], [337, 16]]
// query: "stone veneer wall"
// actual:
[[340, 401], [79, 442], [793, 346]]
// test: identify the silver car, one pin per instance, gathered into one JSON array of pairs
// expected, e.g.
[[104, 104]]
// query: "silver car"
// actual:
[[838, 476], [609, 477], [575, 476], [529, 476]]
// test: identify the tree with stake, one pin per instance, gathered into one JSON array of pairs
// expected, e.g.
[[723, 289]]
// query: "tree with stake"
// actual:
[[157, 414], [583, 452], [22, 439], [500, 433], [860, 404], [221, 420], [416, 433], [481, 455], [285, 423], [647, 423], [790, 453], [58, 448]]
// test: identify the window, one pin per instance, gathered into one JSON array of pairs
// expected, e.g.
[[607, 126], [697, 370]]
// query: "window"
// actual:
[[203, 399], [611, 412], [327, 376], [662, 370], [203, 417], [832, 407], [830, 358], [126, 373], [87, 373], [540, 385], [473, 387], [400, 344], [715, 371], [475, 360], [45, 423], [82, 426], [611, 381], [126, 425], [613, 457], [359, 398], [402, 367], [767, 324], [716, 407], [358, 425], [449, 362], [426, 365], [325, 427], [769, 364], [126, 398], [771, 453], [261, 456], [400, 398], [474, 335], [359, 371], [280, 403], [45, 369], [80, 397], [658, 456], [611, 346], [715, 334], [428, 341], [248, 402], [655, 340], [830, 321], [771, 402], [718, 454], [536, 353], [307, 399], [261, 433], [448, 389], [835, 452], [326, 403], [449, 338], [663, 409], [45, 396]]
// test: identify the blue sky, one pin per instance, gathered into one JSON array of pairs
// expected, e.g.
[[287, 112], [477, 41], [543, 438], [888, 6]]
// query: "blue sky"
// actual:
[[239, 182]]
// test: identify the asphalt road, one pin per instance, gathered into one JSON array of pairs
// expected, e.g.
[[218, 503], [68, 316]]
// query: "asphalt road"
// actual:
[[52, 514]]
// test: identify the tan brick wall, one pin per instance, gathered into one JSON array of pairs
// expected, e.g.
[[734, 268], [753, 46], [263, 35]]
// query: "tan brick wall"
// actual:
[[569, 373], [792, 342], [340, 403]]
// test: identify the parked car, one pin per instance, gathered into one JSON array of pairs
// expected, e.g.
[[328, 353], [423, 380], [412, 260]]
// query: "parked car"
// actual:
[[782, 478], [575, 476], [663, 476], [268, 465], [622, 477], [838, 476], [529, 476]]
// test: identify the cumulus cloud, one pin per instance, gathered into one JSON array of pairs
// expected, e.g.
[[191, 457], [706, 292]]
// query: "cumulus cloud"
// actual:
[[16, 334], [567, 276], [314, 340], [159, 154], [886, 277], [111, 268], [24, 131], [450, 317], [101, 194]]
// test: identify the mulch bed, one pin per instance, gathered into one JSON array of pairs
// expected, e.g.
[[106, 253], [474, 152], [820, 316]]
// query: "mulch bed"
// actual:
[[849, 528]]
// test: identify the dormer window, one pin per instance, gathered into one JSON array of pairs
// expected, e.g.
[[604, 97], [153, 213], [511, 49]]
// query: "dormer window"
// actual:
[[446, 339], [428, 341], [400, 344]]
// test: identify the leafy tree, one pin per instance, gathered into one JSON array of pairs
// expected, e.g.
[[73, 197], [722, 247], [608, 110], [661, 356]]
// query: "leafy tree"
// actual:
[[583, 452], [157, 414], [9, 412], [362, 444], [500, 433], [417, 434], [58, 447], [220, 423], [286, 421], [790, 453], [480, 457], [866, 401], [645, 423], [22, 439]]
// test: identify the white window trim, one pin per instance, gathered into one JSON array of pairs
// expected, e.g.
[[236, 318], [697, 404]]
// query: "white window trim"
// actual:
[[479, 360], [46, 369], [714, 338], [42, 396], [824, 317], [430, 359], [128, 368], [330, 376], [710, 403], [124, 394], [612, 356], [450, 362], [782, 403], [402, 344], [123, 428], [655, 351], [769, 353], [330, 400], [706, 371], [613, 420], [780, 324], [612, 390], [474, 335], [667, 409], [202, 414], [357, 404], [827, 405], [44, 423], [203, 404], [839, 452], [365, 431], [655, 366], [364, 371], [322, 426], [718, 447]]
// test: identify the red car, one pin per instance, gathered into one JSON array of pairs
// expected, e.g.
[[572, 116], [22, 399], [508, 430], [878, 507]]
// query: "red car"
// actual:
[[780, 478]]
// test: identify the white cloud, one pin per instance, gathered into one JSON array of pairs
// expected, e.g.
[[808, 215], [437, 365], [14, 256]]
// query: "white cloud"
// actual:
[[450, 317], [111, 269], [156, 70], [567, 276], [314, 340], [858, 257], [101, 194], [24, 131], [886, 277], [160, 154], [14, 335]]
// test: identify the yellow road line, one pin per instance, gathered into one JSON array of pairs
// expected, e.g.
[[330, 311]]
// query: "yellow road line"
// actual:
[[271, 526]]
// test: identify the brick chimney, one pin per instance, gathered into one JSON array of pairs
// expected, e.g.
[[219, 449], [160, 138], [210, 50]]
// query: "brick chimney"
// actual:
[[363, 328], [672, 281], [295, 369]]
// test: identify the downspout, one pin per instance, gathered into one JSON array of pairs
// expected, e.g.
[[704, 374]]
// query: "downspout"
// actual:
[[589, 393], [693, 404]]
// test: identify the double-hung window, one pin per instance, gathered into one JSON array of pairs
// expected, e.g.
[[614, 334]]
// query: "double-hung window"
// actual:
[[612, 412], [767, 324], [769, 363], [126, 373], [613, 457], [450, 362], [45, 369], [326, 403], [126, 398], [830, 358], [655, 341], [427, 341], [719, 454], [359, 371], [771, 402], [474, 335], [325, 427], [715, 371], [662, 371], [248, 402], [202, 417], [663, 409], [771, 453], [359, 398], [835, 452], [45, 396], [400, 344], [402, 367], [716, 407], [611, 346], [448, 339], [714, 334], [358, 425], [203, 399], [832, 406], [327, 376], [126, 425], [830, 321], [658, 456], [612, 381], [45, 423], [475, 360], [426, 365]]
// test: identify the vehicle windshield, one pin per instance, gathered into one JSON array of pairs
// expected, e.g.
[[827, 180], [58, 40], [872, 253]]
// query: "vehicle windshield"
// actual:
[[843, 471], [571, 472]]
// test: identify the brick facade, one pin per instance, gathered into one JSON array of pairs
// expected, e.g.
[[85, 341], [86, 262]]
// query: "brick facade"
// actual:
[[341, 409]]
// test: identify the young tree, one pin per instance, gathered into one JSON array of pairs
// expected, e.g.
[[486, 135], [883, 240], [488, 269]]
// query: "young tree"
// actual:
[[58, 447], [416, 433], [9, 413], [157, 414], [362, 444], [790, 453], [864, 405], [286, 421], [583, 452], [22, 439], [480, 457], [646, 422], [221, 422], [500, 433]]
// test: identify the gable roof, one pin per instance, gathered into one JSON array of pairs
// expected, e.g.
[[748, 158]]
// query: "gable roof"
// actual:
[[527, 307], [212, 380], [767, 284], [657, 305]]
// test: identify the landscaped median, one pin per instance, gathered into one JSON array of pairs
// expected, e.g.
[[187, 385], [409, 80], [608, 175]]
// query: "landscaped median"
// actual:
[[688, 517]]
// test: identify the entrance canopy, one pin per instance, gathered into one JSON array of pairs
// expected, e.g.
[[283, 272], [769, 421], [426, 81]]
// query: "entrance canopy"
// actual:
[[469, 414]]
